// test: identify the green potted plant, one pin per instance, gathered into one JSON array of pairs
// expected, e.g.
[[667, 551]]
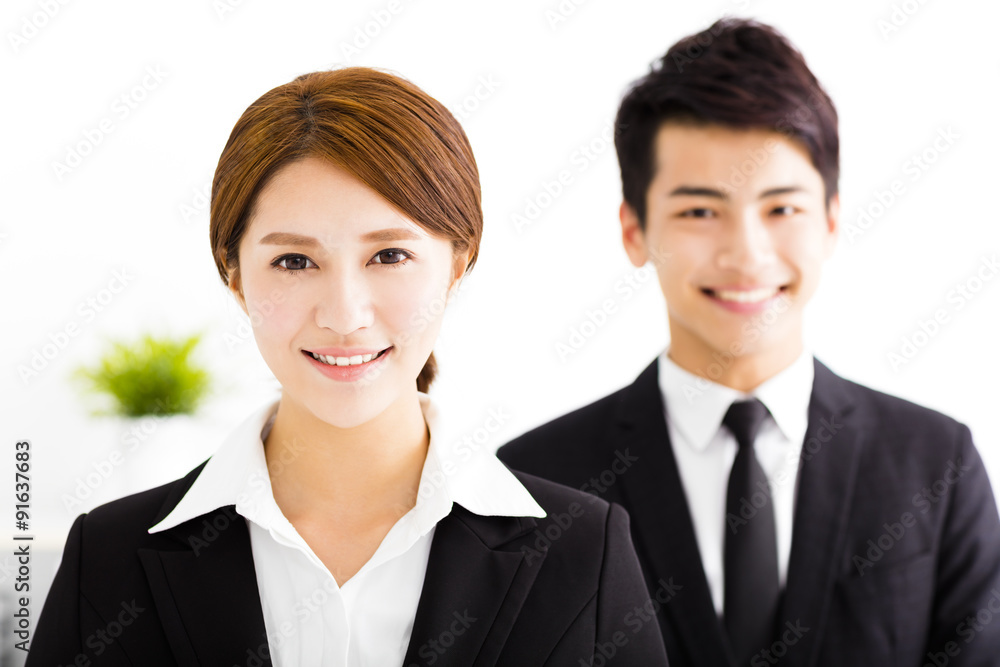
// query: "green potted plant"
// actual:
[[149, 377], [151, 389]]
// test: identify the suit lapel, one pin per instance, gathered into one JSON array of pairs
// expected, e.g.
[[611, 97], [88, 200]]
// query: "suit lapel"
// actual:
[[205, 587], [665, 538], [828, 468], [661, 522], [473, 589]]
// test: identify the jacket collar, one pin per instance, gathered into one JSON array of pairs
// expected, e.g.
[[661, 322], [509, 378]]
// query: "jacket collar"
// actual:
[[470, 569], [237, 475], [665, 538], [204, 586], [836, 436], [663, 532], [700, 404]]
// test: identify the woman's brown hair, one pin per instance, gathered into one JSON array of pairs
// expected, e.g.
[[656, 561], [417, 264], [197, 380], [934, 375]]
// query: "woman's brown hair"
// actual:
[[381, 129]]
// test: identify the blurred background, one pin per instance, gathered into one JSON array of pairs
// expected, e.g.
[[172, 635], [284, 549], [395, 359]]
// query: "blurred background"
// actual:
[[117, 113]]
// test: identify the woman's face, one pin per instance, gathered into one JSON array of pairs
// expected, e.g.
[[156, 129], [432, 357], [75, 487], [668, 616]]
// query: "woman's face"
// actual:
[[330, 268]]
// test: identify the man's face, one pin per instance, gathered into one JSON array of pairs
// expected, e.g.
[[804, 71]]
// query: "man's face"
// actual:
[[738, 230]]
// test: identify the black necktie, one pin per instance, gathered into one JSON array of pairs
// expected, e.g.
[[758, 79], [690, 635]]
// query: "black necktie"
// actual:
[[751, 551]]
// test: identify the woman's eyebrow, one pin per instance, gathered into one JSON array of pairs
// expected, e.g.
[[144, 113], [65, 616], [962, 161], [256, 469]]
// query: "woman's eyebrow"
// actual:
[[289, 238], [393, 234]]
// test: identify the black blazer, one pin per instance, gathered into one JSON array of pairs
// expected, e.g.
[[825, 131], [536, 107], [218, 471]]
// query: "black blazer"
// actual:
[[528, 591], [895, 544]]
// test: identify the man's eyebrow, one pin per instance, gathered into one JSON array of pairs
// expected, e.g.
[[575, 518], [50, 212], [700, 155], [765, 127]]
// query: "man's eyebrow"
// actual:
[[289, 238], [696, 191], [783, 190]]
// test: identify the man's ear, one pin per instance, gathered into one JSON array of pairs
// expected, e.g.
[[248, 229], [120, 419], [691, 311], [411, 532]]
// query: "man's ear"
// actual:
[[832, 224], [633, 238]]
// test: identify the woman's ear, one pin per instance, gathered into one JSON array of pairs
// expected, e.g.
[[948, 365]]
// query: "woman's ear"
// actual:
[[458, 270], [237, 291]]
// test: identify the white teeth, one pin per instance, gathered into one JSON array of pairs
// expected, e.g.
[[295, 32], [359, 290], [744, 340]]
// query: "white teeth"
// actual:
[[747, 296], [344, 361]]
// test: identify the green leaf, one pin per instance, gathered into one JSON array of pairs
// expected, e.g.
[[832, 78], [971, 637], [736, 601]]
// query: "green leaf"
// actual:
[[149, 377]]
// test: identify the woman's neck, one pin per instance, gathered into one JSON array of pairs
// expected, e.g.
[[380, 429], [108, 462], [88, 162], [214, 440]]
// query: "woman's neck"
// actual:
[[368, 470]]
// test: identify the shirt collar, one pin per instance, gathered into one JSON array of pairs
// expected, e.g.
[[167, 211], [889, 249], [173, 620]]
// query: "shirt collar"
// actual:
[[237, 475], [696, 405]]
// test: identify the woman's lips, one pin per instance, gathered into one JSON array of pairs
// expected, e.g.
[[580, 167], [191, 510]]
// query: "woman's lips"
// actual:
[[354, 368]]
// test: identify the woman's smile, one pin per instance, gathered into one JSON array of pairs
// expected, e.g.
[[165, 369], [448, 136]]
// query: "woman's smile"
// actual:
[[347, 369]]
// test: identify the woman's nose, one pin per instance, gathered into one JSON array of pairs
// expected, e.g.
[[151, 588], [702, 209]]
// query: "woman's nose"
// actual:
[[344, 302]]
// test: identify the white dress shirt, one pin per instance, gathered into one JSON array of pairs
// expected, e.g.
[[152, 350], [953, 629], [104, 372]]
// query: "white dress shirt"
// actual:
[[705, 451], [309, 619]]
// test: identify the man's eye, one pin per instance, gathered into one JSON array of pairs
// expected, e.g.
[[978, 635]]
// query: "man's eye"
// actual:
[[292, 263], [697, 213], [784, 210]]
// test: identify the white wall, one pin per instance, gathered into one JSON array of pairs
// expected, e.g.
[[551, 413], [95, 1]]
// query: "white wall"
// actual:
[[137, 203]]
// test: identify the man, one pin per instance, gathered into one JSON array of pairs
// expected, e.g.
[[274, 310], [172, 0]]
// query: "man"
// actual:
[[782, 514]]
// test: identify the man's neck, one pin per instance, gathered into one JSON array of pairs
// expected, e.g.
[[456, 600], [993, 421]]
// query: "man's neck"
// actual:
[[743, 373]]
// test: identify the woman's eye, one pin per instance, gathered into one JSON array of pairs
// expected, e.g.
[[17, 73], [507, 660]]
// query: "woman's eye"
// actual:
[[292, 263], [392, 256]]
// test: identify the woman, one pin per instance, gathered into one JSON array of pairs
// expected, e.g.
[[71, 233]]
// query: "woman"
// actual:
[[332, 528]]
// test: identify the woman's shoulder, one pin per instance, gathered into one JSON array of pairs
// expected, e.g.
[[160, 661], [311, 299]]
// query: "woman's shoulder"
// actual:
[[546, 491], [128, 519], [564, 505]]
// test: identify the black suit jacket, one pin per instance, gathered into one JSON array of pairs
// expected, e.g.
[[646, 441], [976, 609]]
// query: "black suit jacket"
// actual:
[[508, 591], [896, 538]]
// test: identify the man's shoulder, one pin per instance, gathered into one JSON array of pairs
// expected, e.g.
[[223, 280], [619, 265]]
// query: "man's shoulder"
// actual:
[[890, 412], [571, 433], [899, 437]]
